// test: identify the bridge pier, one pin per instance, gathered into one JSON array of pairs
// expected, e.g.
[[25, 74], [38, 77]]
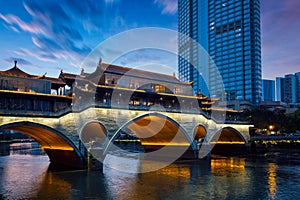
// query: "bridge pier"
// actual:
[[66, 158]]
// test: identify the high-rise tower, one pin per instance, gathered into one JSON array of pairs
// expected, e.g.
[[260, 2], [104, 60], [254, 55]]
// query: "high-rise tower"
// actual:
[[229, 30]]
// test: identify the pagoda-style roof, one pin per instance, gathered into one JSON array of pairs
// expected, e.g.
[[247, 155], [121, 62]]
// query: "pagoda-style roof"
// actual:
[[70, 76], [125, 71], [16, 71], [104, 68], [120, 70]]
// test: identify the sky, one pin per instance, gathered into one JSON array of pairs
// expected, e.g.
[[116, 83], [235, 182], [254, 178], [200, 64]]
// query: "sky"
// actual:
[[52, 35]]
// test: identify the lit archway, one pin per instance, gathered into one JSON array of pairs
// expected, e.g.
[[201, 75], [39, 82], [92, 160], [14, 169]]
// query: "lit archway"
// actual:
[[94, 136], [228, 141], [156, 131], [93, 133], [60, 149], [199, 132]]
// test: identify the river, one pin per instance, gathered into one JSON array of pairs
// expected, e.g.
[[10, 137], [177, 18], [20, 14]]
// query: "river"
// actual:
[[27, 174]]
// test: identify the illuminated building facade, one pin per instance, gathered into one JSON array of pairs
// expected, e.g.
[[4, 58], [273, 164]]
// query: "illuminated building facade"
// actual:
[[288, 88], [229, 30], [268, 90]]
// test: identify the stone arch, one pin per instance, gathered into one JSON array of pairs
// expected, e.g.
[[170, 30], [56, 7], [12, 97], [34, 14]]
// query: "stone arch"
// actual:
[[60, 149], [93, 132], [155, 131], [94, 135], [199, 132], [228, 141]]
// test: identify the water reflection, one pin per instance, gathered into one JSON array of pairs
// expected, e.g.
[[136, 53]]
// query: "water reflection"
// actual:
[[32, 177], [21, 148], [21, 179], [230, 166], [53, 186], [272, 174]]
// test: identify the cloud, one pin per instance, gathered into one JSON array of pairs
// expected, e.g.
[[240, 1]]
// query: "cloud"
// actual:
[[280, 40], [145, 58], [21, 61], [56, 28], [40, 55], [64, 31], [168, 6], [33, 27], [111, 1]]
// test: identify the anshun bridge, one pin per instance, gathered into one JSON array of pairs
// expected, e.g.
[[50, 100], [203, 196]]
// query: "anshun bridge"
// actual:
[[91, 111]]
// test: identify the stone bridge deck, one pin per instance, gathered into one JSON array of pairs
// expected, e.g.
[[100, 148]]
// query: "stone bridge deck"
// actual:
[[65, 134]]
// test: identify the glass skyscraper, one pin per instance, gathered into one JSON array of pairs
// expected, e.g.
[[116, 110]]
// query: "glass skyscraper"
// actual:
[[268, 90], [229, 30], [288, 88]]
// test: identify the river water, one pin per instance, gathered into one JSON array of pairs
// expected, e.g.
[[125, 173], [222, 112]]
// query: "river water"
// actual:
[[28, 174]]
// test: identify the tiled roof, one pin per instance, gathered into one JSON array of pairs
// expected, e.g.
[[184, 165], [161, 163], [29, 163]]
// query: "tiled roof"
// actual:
[[56, 81], [119, 70], [67, 75], [15, 71]]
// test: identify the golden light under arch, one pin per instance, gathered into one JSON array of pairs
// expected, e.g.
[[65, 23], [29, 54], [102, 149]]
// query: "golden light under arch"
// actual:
[[199, 132], [93, 131], [59, 148], [156, 131], [228, 135]]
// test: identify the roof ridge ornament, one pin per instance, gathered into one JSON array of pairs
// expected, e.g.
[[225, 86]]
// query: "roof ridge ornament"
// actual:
[[15, 61], [100, 62], [82, 72]]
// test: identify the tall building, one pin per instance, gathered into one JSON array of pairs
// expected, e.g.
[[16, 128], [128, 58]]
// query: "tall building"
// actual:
[[287, 88], [278, 88], [268, 90], [297, 75], [230, 32]]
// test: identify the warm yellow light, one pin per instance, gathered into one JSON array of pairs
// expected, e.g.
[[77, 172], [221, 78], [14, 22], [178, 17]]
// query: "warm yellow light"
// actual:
[[226, 142], [271, 127], [60, 148], [165, 144]]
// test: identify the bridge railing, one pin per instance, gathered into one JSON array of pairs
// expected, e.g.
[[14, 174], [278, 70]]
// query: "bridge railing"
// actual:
[[33, 104]]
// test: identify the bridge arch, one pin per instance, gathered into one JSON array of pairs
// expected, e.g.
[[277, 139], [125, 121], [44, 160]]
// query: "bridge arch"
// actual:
[[93, 133], [155, 131], [60, 149], [228, 141], [199, 132]]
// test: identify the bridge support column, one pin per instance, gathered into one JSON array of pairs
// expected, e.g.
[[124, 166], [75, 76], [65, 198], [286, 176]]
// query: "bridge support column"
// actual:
[[95, 159], [65, 158]]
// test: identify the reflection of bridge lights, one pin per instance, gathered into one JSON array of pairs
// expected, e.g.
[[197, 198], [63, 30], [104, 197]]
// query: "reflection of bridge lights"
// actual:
[[225, 142], [165, 144], [272, 180]]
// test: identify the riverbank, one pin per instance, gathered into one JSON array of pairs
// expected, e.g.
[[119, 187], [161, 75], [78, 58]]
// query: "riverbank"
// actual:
[[275, 146]]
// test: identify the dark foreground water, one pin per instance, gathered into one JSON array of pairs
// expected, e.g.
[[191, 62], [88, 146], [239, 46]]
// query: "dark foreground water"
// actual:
[[25, 175]]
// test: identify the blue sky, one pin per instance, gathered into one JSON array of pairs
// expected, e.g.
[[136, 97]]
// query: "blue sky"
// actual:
[[50, 35]]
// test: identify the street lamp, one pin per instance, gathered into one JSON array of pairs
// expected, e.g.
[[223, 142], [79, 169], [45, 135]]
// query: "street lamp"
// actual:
[[271, 127]]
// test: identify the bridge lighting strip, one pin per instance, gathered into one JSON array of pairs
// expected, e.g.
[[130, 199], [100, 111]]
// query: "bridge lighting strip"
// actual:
[[165, 144], [59, 148], [227, 142]]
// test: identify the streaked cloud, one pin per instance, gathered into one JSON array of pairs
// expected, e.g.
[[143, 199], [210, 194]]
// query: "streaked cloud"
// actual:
[[16, 22], [168, 6], [20, 61], [55, 28]]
